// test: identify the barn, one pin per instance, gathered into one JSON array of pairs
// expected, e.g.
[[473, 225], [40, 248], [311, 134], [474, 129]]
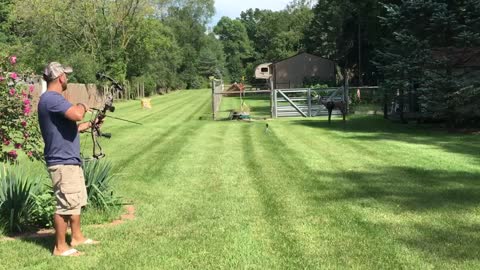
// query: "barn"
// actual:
[[294, 71]]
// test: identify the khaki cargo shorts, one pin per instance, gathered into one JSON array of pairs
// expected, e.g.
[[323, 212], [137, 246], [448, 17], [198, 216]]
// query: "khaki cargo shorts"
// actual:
[[69, 188]]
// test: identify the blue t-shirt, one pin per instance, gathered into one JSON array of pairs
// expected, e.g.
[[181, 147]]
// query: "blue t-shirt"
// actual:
[[60, 134]]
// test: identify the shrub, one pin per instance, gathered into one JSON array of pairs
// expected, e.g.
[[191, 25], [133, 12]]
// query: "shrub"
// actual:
[[98, 177], [19, 127], [17, 202], [42, 213]]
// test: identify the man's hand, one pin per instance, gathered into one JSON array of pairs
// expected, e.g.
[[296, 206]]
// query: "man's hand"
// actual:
[[82, 127], [98, 122]]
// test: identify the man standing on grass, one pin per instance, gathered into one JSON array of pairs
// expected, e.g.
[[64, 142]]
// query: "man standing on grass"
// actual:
[[58, 123]]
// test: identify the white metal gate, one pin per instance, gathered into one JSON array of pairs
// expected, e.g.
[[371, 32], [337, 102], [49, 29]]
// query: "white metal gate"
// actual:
[[304, 102]]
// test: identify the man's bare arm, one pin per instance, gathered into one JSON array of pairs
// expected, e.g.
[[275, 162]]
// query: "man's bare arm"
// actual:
[[76, 112]]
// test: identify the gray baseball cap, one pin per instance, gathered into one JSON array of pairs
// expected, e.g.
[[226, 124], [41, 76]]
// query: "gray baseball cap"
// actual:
[[55, 69]]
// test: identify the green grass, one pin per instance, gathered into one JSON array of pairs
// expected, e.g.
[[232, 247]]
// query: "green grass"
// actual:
[[364, 108], [369, 194], [259, 105]]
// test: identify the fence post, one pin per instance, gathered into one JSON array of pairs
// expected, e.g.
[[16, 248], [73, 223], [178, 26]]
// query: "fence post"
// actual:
[[275, 103], [309, 98], [272, 99], [213, 100], [126, 90], [346, 94]]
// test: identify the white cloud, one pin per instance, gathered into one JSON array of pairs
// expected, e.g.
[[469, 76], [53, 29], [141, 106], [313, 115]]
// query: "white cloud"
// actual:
[[233, 8]]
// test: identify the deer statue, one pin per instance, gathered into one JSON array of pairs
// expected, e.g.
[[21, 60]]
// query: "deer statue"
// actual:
[[331, 105]]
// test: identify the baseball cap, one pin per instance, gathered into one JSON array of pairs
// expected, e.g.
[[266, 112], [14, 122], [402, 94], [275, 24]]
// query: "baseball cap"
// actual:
[[55, 69]]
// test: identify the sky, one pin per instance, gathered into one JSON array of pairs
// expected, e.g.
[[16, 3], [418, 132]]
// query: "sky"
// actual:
[[233, 8]]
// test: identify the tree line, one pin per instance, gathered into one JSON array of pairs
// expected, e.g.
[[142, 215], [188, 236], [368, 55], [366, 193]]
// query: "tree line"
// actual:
[[425, 54], [422, 52], [161, 42]]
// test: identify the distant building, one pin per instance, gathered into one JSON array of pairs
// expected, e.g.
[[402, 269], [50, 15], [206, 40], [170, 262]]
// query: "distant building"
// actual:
[[295, 71], [263, 71]]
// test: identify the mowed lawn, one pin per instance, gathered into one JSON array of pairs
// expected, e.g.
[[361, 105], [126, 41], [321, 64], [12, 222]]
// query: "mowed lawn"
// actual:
[[369, 194]]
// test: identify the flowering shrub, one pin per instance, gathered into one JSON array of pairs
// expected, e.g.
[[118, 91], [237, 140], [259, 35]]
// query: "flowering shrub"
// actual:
[[19, 131]]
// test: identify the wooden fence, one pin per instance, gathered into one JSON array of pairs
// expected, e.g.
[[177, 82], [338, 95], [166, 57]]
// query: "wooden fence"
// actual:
[[87, 93]]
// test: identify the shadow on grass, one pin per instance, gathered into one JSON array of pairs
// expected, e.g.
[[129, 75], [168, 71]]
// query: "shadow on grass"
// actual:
[[421, 194], [453, 194], [46, 241], [375, 128], [459, 243], [405, 188]]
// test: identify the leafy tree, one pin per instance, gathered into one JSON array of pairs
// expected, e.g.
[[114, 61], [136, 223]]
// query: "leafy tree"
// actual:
[[6, 19], [276, 35], [212, 58], [155, 40], [236, 46], [188, 18], [154, 53], [100, 30], [347, 32]]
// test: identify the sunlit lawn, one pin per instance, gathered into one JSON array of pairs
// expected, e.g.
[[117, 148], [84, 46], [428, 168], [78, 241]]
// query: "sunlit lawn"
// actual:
[[256, 105], [368, 194]]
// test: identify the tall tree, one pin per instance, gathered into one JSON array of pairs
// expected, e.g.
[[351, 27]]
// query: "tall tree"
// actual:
[[154, 56], [212, 58], [348, 32], [426, 56], [100, 29], [236, 46], [188, 20], [276, 35]]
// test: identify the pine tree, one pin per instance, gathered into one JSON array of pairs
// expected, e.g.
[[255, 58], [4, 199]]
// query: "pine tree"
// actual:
[[425, 57]]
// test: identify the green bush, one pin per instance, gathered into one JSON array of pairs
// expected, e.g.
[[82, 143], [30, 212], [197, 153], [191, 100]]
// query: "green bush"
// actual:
[[45, 206], [17, 202], [316, 82], [98, 177], [26, 203]]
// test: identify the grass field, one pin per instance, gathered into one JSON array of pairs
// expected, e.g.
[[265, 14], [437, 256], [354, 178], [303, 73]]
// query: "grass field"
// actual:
[[257, 104], [369, 194]]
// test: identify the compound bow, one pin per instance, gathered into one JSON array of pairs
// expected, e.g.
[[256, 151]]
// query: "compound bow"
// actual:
[[100, 114]]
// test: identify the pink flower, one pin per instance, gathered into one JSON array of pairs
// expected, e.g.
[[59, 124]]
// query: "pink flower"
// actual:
[[26, 111], [26, 135], [24, 123], [6, 142], [13, 154], [18, 145], [2, 78], [13, 59], [31, 87], [12, 92], [29, 154], [26, 106], [14, 75]]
